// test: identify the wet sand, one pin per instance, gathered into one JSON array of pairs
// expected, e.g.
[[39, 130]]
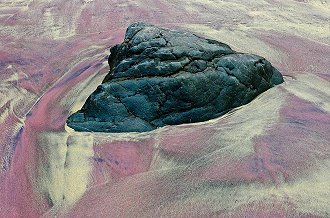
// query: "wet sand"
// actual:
[[269, 158]]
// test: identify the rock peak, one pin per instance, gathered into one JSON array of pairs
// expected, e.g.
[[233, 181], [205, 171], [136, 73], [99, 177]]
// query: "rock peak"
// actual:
[[134, 28]]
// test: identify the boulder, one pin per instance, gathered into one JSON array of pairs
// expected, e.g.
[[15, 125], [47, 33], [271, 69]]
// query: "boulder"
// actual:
[[164, 77]]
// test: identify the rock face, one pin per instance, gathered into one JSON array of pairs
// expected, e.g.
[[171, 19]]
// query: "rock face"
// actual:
[[164, 77]]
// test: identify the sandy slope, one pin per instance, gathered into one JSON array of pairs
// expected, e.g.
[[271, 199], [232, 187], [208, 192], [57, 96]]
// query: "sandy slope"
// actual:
[[269, 158]]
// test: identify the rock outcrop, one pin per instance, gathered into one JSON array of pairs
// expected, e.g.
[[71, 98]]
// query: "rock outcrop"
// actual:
[[164, 77]]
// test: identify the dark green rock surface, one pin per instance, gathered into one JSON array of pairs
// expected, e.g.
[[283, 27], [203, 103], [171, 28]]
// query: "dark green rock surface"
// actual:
[[164, 77]]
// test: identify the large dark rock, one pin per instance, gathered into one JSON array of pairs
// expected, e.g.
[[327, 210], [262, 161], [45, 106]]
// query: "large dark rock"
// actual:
[[164, 77]]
